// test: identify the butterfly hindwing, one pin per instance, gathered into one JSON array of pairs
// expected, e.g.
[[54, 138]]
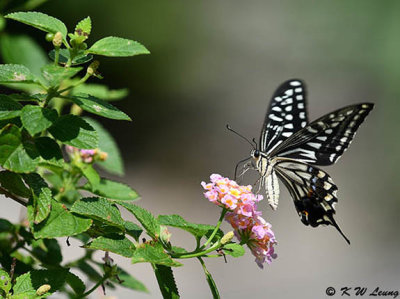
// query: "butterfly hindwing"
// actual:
[[324, 140], [313, 192], [286, 114]]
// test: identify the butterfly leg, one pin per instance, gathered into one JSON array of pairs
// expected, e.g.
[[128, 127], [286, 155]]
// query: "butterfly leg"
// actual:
[[245, 168]]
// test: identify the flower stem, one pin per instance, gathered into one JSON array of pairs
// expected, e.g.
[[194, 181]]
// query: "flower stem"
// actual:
[[56, 55], [216, 228], [102, 280], [83, 80]]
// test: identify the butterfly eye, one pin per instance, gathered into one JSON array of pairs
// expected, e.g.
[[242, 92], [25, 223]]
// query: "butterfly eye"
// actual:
[[256, 154]]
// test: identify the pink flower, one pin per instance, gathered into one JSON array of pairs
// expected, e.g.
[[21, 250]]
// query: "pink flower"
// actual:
[[249, 227]]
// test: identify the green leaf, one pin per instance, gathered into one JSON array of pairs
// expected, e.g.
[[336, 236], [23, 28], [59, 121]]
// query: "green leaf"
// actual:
[[100, 91], [5, 281], [234, 249], [49, 150], [22, 97], [74, 131], [83, 29], [100, 209], [128, 281], [117, 47], [145, 218], [14, 184], [22, 49], [61, 223], [48, 251], [6, 226], [133, 229], [97, 106], [80, 58], [41, 194], [40, 21], [16, 73], [17, 154], [75, 283], [55, 74], [107, 144], [153, 253], [198, 230], [166, 281], [113, 243], [210, 281], [34, 279], [89, 271], [113, 190], [90, 173], [8, 107], [36, 119]]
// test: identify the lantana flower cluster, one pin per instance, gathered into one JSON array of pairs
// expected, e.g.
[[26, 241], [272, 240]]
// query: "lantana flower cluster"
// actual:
[[86, 155], [250, 228]]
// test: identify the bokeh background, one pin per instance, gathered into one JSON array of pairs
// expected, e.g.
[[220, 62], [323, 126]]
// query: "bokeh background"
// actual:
[[218, 62]]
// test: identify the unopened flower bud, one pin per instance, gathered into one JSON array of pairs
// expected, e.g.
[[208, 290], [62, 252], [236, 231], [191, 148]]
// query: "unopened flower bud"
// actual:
[[165, 235], [49, 37], [92, 68], [43, 289], [57, 40], [227, 238], [103, 156]]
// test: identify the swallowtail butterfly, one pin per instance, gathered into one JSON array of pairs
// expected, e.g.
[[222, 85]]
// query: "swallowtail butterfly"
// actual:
[[290, 147]]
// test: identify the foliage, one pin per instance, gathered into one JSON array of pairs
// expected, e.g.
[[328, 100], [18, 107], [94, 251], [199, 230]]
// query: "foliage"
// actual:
[[50, 156]]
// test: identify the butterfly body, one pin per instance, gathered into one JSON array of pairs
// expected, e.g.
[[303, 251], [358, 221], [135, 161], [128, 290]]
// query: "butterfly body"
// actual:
[[290, 148]]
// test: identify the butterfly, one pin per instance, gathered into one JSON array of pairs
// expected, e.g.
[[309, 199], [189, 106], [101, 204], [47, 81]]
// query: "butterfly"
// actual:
[[290, 148]]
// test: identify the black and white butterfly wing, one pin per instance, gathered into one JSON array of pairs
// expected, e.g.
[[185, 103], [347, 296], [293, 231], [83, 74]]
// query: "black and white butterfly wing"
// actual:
[[313, 192], [323, 141], [286, 114]]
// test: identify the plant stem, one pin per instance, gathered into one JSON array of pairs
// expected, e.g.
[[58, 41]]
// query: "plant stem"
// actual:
[[216, 228], [56, 55], [14, 197], [81, 81], [210, 280], [103, 279], [196, 253]]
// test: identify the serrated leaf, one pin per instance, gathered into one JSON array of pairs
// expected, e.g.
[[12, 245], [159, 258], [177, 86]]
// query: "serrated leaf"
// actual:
[[198, 230], [49, 150], [100, 91], [55, 74], [128, 281], [34, 279], [41, 194], [8, 107], [5, 281], [74, 131], [166, 281], [61, 223], [117, 47], [64, 55], [133, 229], [48, 251], [22, 49], [153, 253], [97, 106], [17, 154], [113, 190], [84, 27], [145, 218], [100, 209], [36, 119], [234, 249], [23, 97], [40, 21], [113, 243], [75, 283], [15, 73], [13, 183], [107, 144]]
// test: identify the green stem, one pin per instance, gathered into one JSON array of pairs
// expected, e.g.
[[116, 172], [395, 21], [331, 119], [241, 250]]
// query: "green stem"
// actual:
[[216, 228], [210, 280], [196, 253], [12, 196], [56, 55], [81, 81], [103, 279]]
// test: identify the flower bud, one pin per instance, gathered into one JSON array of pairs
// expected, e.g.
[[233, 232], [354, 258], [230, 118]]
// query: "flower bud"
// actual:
[[227, 238], [43, 289], [92, 68], [49, 37], [57, 40]]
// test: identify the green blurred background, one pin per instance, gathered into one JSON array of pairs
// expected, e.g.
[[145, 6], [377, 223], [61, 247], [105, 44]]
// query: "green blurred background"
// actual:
[[218, 62]]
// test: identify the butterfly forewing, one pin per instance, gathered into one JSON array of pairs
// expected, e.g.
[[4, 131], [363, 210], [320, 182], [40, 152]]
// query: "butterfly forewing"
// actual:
[[324, 140], [286, 114]]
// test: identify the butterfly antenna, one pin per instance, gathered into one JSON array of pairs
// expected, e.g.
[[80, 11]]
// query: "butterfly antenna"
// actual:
[[232, 130], [255, 142]]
